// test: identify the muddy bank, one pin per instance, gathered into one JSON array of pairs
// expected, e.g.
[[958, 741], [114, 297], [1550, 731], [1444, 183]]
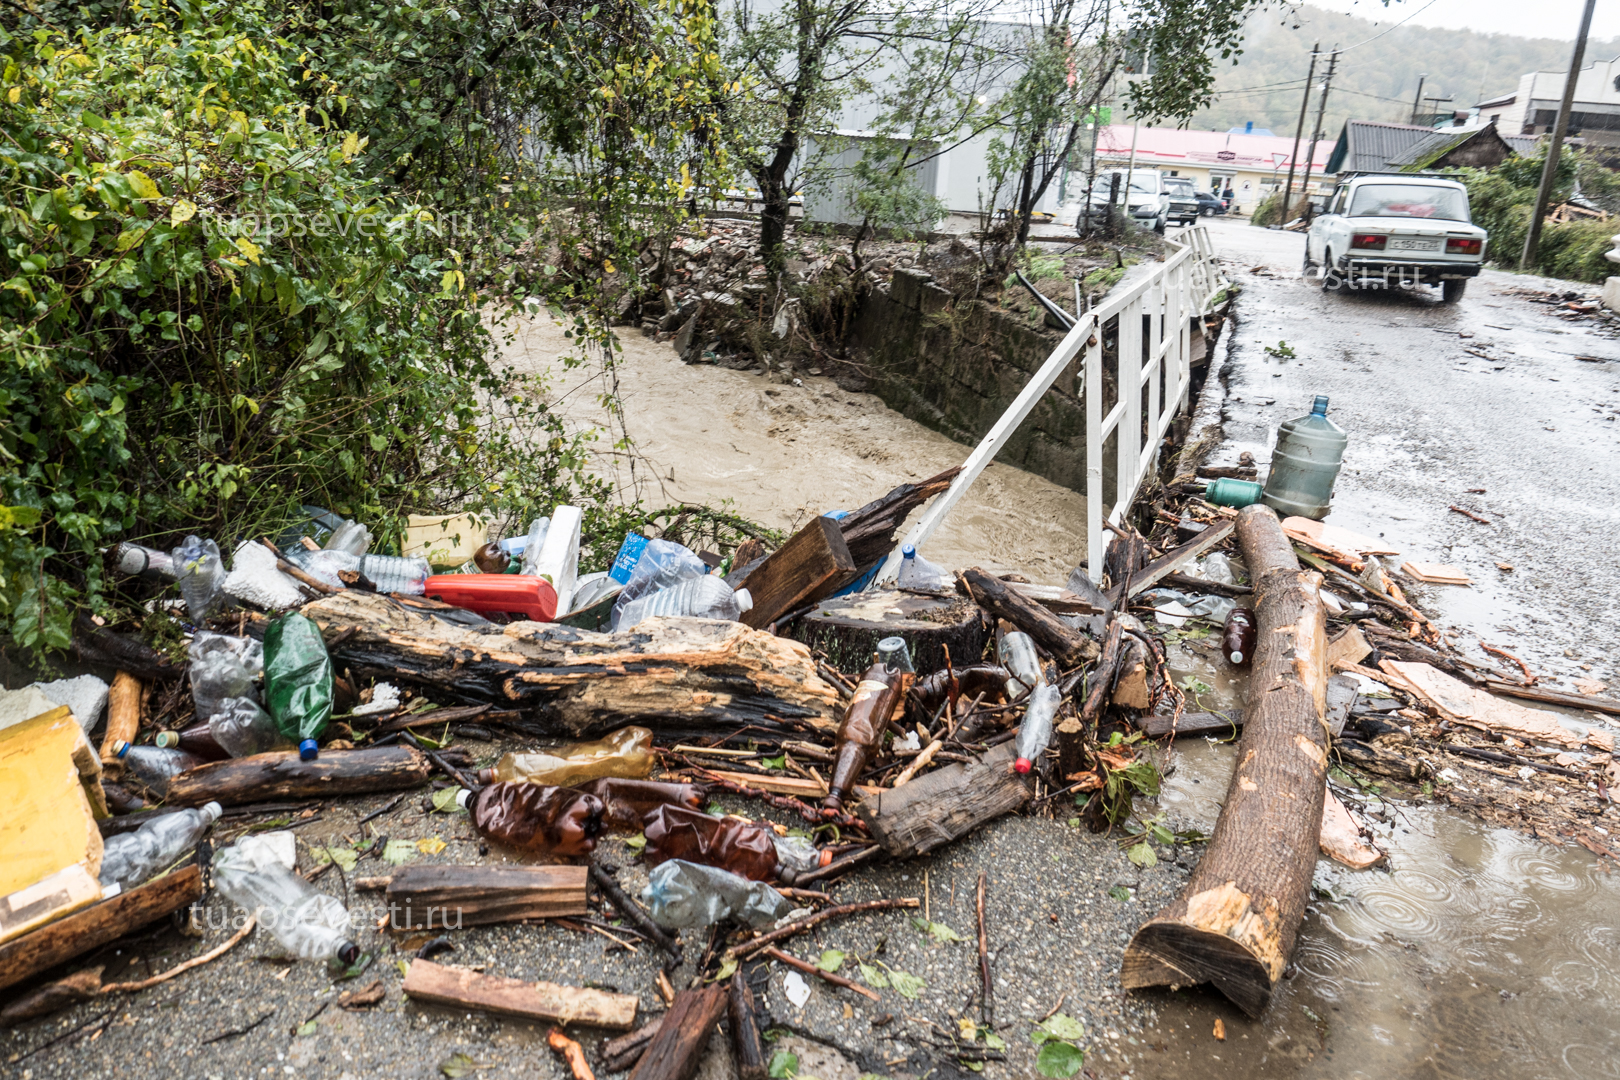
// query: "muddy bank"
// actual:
[[780, 452]]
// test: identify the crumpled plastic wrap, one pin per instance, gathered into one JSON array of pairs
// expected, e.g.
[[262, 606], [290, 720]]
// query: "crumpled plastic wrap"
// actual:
[[681, 895]]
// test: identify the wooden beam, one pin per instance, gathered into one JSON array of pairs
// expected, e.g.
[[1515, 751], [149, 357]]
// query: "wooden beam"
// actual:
[[1150, 575], [814, 563], [1236, 919], [1068, 645], [1158, 726], [280, 775], [78, 933], [432, 897], [463, 988], [676, 1050], [947, 803], [123, 720]]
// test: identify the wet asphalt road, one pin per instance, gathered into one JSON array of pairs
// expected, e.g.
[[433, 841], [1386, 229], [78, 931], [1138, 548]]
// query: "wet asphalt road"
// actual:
[[1510, 408]]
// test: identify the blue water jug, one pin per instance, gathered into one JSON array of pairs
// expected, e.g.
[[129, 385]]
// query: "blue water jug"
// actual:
[[1304, 464]]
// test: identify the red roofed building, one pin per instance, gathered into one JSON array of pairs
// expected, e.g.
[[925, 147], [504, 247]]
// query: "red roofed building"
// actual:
[[1251, 165]]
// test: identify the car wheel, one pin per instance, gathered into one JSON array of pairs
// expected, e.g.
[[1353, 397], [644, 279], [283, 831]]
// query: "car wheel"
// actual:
[[1452, 291], [1327, 268], [1206, 212], [1158, 226]]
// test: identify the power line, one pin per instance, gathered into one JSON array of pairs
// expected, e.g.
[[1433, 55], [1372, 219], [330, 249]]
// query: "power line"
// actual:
[[1403, 22]]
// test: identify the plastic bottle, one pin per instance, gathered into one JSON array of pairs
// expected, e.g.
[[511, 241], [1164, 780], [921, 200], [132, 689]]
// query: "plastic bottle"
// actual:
[[1016, 651], [700, 597], [876, 695], [153, 765], [197, 739], [310, 924], [1238, 636], [350, 537], [626, 753], [624, 563], [298, 681], [681, 896], [144, 562], [242, 729], [743, 847], [1218, 568], [397, 573], [222, 666], [201, 575], [533, 543], [1035, 733], [535, 818], [1228, 491], [796, 856], [131, 858], [917, 572], [662, 563], [626, 804], [1304, 464], [490, 559]]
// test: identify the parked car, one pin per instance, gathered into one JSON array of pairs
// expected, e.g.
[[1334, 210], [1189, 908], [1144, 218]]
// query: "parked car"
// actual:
[[1210, 204], [1144, 194], [1379, 230], [1183, 199]]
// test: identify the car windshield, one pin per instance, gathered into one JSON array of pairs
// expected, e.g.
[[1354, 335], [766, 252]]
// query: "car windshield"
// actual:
[[1140, 185], [1409, 201], [1179, 187]]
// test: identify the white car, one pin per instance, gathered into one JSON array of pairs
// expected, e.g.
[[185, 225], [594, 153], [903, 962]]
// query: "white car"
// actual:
[[1144, 194], [1383, 230]]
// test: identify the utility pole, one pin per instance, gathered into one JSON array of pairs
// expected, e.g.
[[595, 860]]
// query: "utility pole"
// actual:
[[1549, 170], [1321, 110], [1417, 102], [1299, 130]]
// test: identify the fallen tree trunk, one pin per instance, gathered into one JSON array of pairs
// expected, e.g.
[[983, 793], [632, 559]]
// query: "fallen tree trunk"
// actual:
[[1235, 921], [1068, 645], [281, 775], [692, 674]]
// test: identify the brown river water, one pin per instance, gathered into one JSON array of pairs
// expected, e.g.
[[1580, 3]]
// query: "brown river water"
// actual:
[[1473, 952]]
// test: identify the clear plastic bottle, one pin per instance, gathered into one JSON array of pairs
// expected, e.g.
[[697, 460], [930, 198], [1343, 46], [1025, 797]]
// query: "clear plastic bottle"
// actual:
[[243, 729], [707, 597], [663, 563], [1016, 650], [201, 575], [397, 573], [144, 562], [539, 528], [310, 924], [351, 537], [626, 753], [131, 858], [222, 666], [153, 765], [682, 895], [918, 573], [1035, 733]]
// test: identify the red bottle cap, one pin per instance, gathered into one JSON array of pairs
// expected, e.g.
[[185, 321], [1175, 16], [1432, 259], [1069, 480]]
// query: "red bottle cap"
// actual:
[[1022, 765]]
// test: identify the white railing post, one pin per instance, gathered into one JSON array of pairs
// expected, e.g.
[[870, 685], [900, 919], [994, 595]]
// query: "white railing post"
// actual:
[[1095, 535]]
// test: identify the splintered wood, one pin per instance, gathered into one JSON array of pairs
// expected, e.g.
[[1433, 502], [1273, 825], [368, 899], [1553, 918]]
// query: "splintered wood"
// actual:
[[1463, 704]]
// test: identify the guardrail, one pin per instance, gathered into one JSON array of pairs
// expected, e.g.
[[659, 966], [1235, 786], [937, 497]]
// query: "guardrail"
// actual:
[[1149, 325]]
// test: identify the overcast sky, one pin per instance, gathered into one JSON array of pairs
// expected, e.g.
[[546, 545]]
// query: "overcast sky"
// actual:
[[1538, 18]]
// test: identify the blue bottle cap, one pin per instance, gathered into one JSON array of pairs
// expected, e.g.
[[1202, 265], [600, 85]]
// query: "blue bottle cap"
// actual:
[[1319, 407], [908, 552], [307, 750]]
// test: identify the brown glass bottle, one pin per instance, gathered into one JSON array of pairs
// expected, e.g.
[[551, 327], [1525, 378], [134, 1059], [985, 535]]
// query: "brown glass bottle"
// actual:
[[490, 559], [537, 819], [628, 803], [742, 847], [1238, 636], [879, 690], [198, 739]]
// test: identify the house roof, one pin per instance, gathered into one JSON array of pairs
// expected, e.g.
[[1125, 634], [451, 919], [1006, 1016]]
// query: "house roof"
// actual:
[[1173, 146], [1523, 145], [1370, 145], [1430, 152], [1505, 99]]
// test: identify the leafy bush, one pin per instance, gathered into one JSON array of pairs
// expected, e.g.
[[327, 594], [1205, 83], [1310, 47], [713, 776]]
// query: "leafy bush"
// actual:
[[209, 314], [1501, 201]]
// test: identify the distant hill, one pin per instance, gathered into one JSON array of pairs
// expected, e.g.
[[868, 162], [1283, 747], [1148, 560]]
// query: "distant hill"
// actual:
[[1378, 80]]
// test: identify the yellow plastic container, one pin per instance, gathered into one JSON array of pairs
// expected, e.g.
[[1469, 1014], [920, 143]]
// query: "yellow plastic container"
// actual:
[[626, 754], [444, 540]]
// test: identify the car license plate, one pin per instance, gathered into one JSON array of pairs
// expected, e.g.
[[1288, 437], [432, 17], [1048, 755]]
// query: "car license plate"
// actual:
[[1399, 244]]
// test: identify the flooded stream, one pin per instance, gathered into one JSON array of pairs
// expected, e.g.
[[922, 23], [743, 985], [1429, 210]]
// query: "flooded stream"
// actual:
[[1473, 952]]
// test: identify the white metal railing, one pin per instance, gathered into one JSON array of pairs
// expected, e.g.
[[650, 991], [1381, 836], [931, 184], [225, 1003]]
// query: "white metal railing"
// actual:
[[1151, 321]]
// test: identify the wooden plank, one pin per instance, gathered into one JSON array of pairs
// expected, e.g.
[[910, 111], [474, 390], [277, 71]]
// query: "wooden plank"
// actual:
[[1463, 704], [1055, 598], [947, 803], [1220, 725], [787, 785], [1435, 573], [1175, 558], [463, 988], [434, 897], [281, 774], [814, 563], [1350, 647], [1554, 697], [94, 926], [675, 1052], [1341, 837], [1334, 540]]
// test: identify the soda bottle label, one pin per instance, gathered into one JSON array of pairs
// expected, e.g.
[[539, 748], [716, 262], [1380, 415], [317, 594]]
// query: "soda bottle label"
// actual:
[[629, 554]]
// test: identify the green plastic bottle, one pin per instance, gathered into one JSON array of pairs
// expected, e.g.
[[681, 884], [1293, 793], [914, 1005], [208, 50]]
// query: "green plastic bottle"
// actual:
[[1305, 463], [298, 681]]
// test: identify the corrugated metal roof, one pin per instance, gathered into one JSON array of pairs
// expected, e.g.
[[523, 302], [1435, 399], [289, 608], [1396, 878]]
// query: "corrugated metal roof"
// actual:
[[1369, 145]]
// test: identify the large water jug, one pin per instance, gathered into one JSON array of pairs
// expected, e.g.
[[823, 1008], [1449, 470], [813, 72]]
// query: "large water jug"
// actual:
[[1304, 464]]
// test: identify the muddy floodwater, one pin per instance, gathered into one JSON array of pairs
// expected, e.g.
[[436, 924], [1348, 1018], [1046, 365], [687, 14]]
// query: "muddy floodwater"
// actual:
[[1474, 952]]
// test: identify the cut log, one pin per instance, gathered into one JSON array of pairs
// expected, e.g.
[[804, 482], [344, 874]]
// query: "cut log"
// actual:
[[813, 564], [676, 1050], [747, 1052], [869, 531], [1068, 645], [620, 1053], [463, 988], [702, 675], [123, 720], [78, 933], [1131, 688], [435, 897], [281, 775], [848, 628], [1235, 922], [947, 803], [1219, 724]]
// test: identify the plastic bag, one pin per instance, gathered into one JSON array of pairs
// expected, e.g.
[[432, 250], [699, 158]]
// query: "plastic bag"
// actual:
[[1213, 608], [298, 681], [242, 729], [662, 564], [202, 575], [222, 666], [351, 537], [681, 895]]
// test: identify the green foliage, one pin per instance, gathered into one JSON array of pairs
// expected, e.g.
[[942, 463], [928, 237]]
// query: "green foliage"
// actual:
[[1059, 1039], [1502, 199], [1267, 212], [1280, 351]]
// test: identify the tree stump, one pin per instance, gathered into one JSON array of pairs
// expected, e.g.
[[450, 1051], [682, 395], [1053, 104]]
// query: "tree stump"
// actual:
[[1234, 923], [848, 628]]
